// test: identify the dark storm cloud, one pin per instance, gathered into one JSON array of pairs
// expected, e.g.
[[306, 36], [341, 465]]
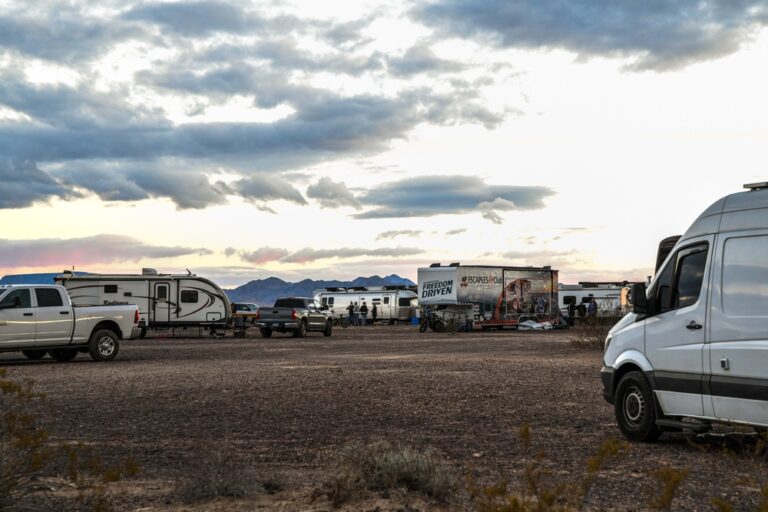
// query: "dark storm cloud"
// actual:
[[661, 35], [82, 251], [22, 183], [435, 195], [196, 18], [421, 59], [267, 188], [331, 194]]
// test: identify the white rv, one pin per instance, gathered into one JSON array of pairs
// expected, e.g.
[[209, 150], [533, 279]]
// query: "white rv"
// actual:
[[612, 298], [393, 303], [695, 348], [164, 300]]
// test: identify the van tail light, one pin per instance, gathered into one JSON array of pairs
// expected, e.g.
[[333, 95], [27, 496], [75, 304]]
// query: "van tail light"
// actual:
[[294, 316], [136, 316]]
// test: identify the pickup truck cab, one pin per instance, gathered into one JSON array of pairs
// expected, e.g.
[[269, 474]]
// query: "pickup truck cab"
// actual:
[[694, 350], [297, 315], [40, 319]]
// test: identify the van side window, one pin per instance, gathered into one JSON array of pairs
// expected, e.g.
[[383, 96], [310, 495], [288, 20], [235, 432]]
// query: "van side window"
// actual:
[[745, 276], [690, 275], [662, 288]]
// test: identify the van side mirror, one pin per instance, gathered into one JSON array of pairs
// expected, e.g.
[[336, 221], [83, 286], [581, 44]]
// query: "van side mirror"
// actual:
[[639, 300]]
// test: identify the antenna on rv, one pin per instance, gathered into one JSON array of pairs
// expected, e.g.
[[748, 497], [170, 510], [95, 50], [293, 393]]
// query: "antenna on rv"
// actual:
[[188, 272]]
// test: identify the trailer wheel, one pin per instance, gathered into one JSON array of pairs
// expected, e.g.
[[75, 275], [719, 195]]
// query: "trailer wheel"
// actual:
[[328, 328], [34, 354], [103, 345], [63, 355], [301, 330], [439, 326], [143, 332], [266, 333], [635, 409]]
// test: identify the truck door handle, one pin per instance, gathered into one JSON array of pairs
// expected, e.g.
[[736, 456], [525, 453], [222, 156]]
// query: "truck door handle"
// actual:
[[28, 314], [693, 326], [63, 312]]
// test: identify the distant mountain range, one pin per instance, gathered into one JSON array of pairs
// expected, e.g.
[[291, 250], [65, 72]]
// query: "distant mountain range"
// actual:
[[261, 291], [265, 291]]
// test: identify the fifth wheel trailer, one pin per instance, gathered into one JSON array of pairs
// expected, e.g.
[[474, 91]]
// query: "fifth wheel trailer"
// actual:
[[164, 300], [498, 297]]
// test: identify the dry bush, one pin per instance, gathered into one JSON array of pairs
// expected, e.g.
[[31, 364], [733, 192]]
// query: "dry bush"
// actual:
[[214, 475], [382, 466], [590, 335], [541, 492]]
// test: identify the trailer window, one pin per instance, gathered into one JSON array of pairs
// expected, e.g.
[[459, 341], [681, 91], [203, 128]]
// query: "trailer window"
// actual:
[[331, 300], [569, 299], [110, 288], [48, 297], [386, 300], [189, 296], [404, 302], [23, 295]]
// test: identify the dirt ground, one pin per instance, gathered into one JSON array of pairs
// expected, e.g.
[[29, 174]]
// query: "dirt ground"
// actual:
[[280, 408]]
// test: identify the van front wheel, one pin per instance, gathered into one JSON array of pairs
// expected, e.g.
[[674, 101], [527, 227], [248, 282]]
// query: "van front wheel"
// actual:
[[635, 409]]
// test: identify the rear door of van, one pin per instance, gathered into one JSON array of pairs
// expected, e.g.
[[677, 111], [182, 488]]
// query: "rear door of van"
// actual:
[[675, 337], [738, 348]]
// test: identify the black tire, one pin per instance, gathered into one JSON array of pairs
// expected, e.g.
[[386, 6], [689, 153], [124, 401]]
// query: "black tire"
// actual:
[[63, 355], [103, 345], [34, 354], [143, 332], [423, 325], [328, 328], [635, 408], [301, 330], [439, 326], [266, 333]]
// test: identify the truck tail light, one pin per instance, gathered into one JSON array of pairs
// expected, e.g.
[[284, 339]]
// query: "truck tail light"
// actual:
[[258, 314], [293, 314], [136, 316]]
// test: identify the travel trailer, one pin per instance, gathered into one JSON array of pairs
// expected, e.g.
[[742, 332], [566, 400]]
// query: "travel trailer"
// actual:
[[394, 303], [612, 298], [499, 296], [694, 349], [164, 300]]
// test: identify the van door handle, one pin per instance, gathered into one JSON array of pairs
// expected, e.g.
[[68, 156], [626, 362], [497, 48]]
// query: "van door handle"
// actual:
[[693, 326]]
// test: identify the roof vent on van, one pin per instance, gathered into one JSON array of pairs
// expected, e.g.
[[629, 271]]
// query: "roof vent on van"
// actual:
[[149, 272], [456, 264], [434, 265], [756, 186]]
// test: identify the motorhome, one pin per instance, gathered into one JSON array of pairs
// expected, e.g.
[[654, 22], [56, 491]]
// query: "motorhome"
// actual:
[[395, 303], [612, 298], [499, 296], [694, 349], [164, 300]]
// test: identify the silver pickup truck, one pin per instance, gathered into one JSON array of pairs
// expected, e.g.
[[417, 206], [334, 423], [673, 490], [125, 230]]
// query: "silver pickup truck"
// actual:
[[297, 315], [40, 319]]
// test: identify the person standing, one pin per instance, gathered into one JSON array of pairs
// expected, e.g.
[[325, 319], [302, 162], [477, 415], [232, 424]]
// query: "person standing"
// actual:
[[357, 315], [363, 314], [351, 310], [592, 311], [374, 314]]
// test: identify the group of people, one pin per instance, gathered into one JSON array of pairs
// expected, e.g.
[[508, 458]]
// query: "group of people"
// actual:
[[358, 315]]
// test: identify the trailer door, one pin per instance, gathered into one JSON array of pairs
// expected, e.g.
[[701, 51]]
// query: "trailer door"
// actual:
[[161, 303]]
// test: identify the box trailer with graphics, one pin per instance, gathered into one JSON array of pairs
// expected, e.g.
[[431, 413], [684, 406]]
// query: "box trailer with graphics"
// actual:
[[492, 297], [164, 300]]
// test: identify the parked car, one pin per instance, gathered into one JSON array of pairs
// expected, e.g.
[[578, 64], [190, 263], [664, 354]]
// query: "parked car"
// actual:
[[297, 315], [40, 319], [694, 350]]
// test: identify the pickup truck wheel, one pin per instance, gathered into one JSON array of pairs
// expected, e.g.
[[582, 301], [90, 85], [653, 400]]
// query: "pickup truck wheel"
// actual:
[[34, 354], [63, 355], [328, 328], [266, 333], [635, 408], [103, 345], [301, 330]]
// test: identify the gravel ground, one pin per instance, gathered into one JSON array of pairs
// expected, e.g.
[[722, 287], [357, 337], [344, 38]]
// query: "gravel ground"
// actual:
[[281, 407]]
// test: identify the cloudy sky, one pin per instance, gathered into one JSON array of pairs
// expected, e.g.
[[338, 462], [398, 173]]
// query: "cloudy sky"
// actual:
[[320, 140]]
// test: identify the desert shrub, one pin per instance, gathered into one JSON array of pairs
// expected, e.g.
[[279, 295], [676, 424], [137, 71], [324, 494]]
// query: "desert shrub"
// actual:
[[668, 480], [540, 491], [213, 474], [590, 335], [382, 466], [27, 458]]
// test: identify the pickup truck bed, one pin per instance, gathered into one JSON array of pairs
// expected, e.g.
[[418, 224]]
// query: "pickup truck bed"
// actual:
[[297, 315]]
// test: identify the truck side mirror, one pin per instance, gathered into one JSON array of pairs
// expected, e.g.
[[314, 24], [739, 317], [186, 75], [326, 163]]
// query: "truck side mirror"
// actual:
[[639, 300], [16, 303]]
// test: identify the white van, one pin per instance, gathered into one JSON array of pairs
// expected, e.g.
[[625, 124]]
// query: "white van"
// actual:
[[695, 348]]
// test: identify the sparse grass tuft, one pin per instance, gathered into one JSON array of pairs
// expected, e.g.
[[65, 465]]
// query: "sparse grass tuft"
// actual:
[[214, 475], [590, 335], [382, 466]]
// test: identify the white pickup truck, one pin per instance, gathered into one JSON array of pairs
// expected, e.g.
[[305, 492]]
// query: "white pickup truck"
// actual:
[[40, 319]]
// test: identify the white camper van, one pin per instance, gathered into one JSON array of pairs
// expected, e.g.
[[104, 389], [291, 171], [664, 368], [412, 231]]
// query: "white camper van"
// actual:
[[394, 303], [164, 300], [695, 348]]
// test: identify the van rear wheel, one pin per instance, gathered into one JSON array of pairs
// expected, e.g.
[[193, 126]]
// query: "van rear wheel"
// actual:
[[635, 408]]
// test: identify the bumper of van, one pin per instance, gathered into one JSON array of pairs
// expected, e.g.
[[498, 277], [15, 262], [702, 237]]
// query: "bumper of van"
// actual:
[[606, 376]]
